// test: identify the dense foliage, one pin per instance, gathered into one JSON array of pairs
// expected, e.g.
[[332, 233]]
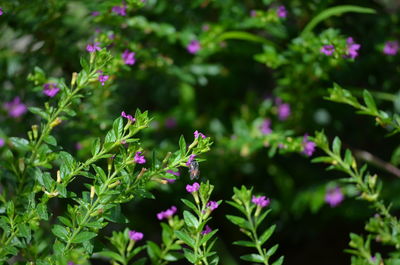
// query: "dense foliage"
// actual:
[[156, 132]]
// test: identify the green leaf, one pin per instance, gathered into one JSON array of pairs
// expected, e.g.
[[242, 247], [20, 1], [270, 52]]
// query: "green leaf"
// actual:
[[278, 262], [95, 146], [20, 144], [242, 35], [83, 236], [190, 205], [153, 250], [118, 127], [50, 140], [370, 102], [239, 221], [336, 146], [267, 234], [111, 255], [185, 238], [337, 10], [207, 237], [182, 145], [65, 221], [60, 232], [100, 173], [189, 255], [173, 256], [190, 219], [248, 244], [272, 250], [39, 112], [253, 258]]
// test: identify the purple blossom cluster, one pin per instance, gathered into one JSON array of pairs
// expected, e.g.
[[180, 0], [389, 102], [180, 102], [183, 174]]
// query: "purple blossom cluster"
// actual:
[[139, 159], [15, 108], [167, 213], [93, 47], [135, 236], [308, 146], [2, 142], [190, 160], [281, 12], [391, 48], [284, 109], [119, 10], [193, 47], [197, 134], [193, 188], [265, 127], [212, 205], [334, 196], [129, 57], [206, 230], [261, 201], [50, 89], [128, 116]]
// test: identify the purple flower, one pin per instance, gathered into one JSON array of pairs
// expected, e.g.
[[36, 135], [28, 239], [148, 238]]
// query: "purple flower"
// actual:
[[119, 10], [2, 142], [391, 47], [129, 117], [253, 13], [265, 127], [261, 201], [212, 205], [103, 79], [93, 47], [281, 11], [15, 108], [334, 196], [352, 48], [190, 160], [129, 57], [50, 89], [327, 50], [193, 47], [308, 146], [70, 263], [1, 11], [197, 134], [175, 173], [206, 230], [284, 111], [170, 122], [95, 13], [193, 188], [139, 158], [78, 146], [167, 213], [135, 236]]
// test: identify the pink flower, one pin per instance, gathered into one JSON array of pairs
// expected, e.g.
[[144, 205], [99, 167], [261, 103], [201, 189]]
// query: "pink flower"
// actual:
[[206, 230], [2, 142], [50, 89], [190, 160], [308, 146], [129, 117], [1, 11], [212, 205], [265, 127], [261, 201], [327, 50], [352, 48], [129, 57], [135, 236], [391, 47], [15, 108], [167, 213], [193, 188], [103, 79], [93, 47], [95, 13], [119, 10], [193, 47], [284, 111], [281, 11], [139, 158], [334, 197], [197, 134]]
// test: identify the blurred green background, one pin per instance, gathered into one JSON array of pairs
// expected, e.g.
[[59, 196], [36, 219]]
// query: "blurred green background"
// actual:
[[223, 90]]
